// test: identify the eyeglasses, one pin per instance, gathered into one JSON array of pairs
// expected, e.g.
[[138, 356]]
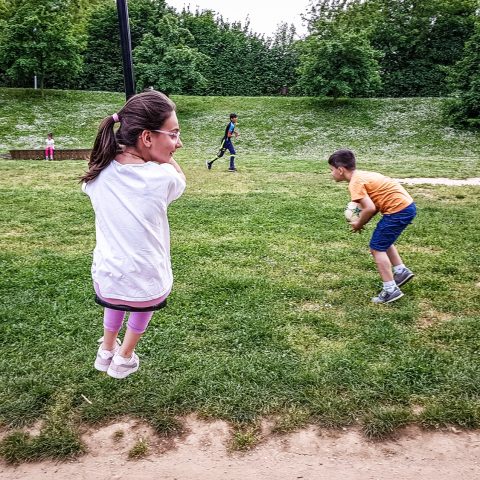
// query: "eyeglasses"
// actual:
[[173, 135]]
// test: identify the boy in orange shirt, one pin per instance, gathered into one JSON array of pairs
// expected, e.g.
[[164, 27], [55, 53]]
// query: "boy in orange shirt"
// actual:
[[377, 193]]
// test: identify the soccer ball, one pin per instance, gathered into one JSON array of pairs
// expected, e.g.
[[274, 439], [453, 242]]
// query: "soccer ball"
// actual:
[[352, 211]]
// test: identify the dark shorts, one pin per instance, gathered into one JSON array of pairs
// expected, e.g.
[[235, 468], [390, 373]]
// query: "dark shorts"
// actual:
[[390, 227], [227, 145]]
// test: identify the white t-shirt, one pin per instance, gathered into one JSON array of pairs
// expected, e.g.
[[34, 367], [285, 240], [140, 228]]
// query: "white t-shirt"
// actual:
[[131, 260], [50, 142]]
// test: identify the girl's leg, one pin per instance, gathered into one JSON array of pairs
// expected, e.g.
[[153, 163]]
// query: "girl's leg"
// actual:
[[137, 324], [112, 323]]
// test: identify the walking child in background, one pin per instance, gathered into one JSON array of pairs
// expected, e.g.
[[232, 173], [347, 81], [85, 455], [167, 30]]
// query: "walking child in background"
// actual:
[[377, 193], [131, 180], [49, 147], [227, 144]]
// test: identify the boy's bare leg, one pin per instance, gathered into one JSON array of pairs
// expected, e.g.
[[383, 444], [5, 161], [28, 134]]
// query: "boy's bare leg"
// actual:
[[384, 265], [393, 256]]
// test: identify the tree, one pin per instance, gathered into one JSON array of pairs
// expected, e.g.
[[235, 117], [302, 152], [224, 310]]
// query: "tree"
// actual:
[[465, 110], [39, 40], [339, 66], [237, 62], [282, 61], [5, 15], [241, 62], [165, 61], [5, 7], [419, 39], [103, 56], [206, 37]]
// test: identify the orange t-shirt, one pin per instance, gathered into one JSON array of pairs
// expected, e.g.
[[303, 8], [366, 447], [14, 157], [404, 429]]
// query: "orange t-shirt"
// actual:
[[386, 193]]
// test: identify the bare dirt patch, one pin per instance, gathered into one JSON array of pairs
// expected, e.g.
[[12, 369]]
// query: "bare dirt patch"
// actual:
[[429, 316], [310, 454]]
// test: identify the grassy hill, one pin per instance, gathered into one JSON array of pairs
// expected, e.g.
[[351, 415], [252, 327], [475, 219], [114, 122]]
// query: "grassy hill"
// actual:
[[270, 313], [273, 128]]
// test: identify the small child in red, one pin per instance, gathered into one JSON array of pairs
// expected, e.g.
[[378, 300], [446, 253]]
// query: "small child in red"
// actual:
[[49, 147]]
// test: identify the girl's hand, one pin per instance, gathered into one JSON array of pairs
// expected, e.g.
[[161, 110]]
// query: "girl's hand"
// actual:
[[177, 167]]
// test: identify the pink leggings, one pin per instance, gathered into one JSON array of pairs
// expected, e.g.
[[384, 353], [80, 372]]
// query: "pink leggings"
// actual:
[[49, 152], [137, 321]]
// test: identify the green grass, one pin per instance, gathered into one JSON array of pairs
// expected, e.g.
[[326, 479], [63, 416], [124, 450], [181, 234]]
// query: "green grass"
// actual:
[[139, 450], [270, 313], [244, 437], [58, 438]]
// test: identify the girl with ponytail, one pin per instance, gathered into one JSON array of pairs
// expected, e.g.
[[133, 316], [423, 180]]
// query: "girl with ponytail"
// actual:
[[132, 177]]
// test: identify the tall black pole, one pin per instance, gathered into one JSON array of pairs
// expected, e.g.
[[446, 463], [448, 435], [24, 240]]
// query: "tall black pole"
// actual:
[[126, 43]]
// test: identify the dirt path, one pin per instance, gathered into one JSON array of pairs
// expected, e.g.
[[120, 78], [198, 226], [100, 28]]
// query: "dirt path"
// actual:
[[439, 181], [309, 454]]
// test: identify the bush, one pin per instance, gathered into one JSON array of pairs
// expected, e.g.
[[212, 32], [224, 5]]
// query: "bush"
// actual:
[[465, 109]]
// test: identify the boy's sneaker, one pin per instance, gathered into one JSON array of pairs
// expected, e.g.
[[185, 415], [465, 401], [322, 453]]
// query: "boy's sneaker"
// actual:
[[121, 367], [208, 164], [387, 297], [232, 169], [403, 277]]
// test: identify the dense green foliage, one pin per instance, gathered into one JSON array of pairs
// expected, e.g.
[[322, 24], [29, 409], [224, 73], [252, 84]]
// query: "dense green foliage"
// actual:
[[103, 57], [342, 66], [242, 63], [465, 110], [182, 53], [165, 62], [39, 40], [270, 314], [418, 39], [389, 48]]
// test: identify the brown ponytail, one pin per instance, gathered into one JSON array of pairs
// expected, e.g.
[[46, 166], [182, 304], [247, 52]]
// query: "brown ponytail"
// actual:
[[144, 111]]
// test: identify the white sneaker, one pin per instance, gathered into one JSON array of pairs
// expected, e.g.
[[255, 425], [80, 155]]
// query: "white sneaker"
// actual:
[[121, 367], [104, 357]]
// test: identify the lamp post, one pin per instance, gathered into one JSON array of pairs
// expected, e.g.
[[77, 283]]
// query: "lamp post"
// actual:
[[34, 74], [126, 44]]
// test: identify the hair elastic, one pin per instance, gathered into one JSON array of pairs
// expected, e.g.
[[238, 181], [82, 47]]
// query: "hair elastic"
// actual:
[[115, 117]]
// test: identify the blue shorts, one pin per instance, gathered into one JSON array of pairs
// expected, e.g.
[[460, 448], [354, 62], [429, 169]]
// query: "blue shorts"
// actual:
[[227, 145], [390, 227]]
